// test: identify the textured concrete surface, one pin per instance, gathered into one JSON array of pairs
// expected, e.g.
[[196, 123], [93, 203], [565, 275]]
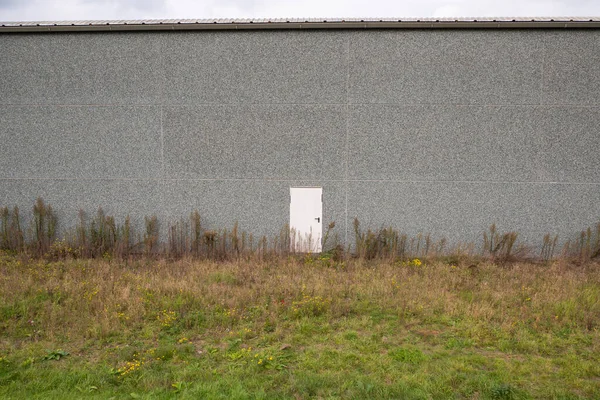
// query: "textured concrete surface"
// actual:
[[462, 211], [119, 198], [571, 68], [254, 67], [474, 143], [457, 67], [81, 68], [255, 142], [90, 142], [439, 131]]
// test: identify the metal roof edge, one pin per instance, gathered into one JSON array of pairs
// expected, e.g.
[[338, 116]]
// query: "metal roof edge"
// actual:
[[264, 24]]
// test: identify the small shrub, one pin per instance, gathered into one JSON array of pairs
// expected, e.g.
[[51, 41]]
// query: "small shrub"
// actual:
[[210, 241], [589, 243], [499, 246], [196, 232], [179, 240], [151, 234], [166, 318], [548, 247], [310, 306], [103, 236], [11, 235], [4, 237], [55, 355], [129, 367], [503, 392], [61, 250], [44, 226], [385, 243]]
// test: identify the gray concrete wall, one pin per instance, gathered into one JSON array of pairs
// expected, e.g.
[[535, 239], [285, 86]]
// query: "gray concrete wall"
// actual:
[[440, 131]]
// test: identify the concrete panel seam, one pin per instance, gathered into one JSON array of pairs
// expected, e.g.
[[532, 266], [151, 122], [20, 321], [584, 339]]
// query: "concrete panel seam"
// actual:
[[347, 158], [481, 105], [301, 180], [542, 72], [478, 182], [162, 145], [249, 104], [78, 105], [83, 179]]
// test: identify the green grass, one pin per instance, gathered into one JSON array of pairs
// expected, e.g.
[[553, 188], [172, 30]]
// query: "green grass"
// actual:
[[298, 328]]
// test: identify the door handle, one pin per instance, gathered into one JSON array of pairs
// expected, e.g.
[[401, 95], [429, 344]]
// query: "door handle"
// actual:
[[318, 219]]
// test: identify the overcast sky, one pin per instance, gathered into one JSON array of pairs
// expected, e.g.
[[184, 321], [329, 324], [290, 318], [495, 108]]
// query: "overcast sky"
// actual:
[[32, 10]]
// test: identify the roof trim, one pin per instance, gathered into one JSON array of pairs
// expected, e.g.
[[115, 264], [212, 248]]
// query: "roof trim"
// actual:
[[298, 23]]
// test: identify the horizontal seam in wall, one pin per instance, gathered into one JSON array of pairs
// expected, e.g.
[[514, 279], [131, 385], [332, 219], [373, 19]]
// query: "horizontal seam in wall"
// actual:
[[476, 182], [534, 105], [159, 180]]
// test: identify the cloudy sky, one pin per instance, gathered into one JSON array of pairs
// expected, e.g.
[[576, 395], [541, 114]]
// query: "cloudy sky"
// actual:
[[30, 10]]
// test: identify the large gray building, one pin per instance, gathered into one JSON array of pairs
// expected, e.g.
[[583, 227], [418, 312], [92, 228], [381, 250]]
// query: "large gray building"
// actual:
[[428, 126]]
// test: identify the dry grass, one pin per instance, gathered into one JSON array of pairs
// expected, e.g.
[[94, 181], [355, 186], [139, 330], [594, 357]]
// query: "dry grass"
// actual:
[[108, 297], [427, 315]]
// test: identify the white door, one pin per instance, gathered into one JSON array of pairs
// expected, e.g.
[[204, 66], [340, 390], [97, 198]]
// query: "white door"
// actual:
[[306, 219]]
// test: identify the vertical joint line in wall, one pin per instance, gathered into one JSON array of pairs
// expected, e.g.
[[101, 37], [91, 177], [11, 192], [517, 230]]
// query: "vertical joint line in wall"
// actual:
[[346, 175], [162, 146], [542, 71], [346, 181]]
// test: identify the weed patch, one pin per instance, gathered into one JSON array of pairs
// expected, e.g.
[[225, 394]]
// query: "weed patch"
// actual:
[[285, 326]]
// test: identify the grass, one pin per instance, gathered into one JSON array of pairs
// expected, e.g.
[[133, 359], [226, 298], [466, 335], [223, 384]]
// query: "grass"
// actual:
[[298, 327]]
